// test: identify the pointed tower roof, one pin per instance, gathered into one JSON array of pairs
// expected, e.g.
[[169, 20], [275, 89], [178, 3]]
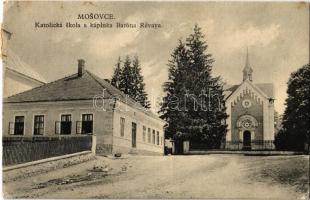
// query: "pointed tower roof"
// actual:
[[247, 70]]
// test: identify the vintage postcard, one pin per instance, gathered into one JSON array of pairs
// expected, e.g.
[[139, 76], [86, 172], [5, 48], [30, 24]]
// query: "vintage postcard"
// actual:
[[155, 100]]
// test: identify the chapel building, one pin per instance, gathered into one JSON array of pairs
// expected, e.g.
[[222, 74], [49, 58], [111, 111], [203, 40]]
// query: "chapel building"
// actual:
[[250, 109]]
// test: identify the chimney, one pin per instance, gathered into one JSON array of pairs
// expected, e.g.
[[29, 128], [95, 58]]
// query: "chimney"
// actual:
[[81, 67]]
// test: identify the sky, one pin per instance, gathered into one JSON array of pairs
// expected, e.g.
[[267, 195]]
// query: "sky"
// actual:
[[276, 33]]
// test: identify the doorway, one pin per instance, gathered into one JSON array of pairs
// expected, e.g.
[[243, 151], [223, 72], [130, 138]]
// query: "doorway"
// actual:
[[246, 140]]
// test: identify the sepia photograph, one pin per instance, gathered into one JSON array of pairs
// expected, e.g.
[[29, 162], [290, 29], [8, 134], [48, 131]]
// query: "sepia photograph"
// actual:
[[155, 100]]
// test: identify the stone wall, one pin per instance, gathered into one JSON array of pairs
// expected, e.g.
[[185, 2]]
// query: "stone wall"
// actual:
[[46, 165]]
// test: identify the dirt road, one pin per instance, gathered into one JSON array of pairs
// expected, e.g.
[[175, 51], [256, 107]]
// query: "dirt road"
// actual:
[[204, 176]]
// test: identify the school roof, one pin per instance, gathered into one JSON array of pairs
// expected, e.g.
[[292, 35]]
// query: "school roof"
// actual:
[[75, 87]]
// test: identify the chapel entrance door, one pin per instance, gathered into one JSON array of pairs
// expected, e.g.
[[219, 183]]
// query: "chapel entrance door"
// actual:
[[246, 140]]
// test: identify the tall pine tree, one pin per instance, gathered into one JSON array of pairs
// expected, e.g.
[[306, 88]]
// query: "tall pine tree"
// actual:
[[116, 78], [139, 93], [208, 121], [126, 80], [129, 80], [201, 108], [172, 106]]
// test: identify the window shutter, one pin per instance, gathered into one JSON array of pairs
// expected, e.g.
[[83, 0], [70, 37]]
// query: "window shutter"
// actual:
[[57, 127], [78, 127], [11, 128]]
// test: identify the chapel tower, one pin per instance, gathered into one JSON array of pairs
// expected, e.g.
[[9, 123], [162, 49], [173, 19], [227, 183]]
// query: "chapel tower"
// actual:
[[247, 70]]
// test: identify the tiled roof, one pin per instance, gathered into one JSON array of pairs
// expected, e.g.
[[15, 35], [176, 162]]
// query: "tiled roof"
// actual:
[[68, 88], [74, 87], [229, 89], [267, 88], [120, 95]]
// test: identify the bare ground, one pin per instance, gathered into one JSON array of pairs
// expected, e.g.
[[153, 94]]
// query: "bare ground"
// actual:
[[203, 176]]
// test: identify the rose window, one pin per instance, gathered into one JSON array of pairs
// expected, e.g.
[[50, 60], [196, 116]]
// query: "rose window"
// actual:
[[246, 123]]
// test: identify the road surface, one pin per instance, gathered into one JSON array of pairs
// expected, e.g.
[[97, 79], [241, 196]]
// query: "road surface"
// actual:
[[201, 176]]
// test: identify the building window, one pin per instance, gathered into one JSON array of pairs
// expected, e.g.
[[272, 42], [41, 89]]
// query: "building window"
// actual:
[[19, 125], [133, 135], [144, 133], [122, 124], [149, 135], [153, 138], [157, 138], [161, 140], [38, 127], [87, 123], [65, 125]]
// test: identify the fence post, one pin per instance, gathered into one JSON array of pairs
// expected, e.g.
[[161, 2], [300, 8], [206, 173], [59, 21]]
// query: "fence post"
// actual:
[[185, 146], [94, 144]]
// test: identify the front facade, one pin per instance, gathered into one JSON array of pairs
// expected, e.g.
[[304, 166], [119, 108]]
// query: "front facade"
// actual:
[[83, 104], [250, 109]]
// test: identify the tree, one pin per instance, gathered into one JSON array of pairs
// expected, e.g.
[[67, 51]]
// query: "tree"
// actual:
[[200, 112], [116, 78], [129, 80], [171, 108], [295, 130], [126, 78], [207, 124], [139, 93]]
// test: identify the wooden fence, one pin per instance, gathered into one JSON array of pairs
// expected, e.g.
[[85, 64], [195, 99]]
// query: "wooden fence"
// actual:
[[22, 149]]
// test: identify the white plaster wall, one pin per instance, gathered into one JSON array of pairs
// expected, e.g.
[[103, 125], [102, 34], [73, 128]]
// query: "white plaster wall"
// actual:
[[102, 121], [228, 121], [14, 84], [271, 132], [124, 144]]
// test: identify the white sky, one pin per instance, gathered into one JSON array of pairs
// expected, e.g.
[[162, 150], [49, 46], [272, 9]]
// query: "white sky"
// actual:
[[277, 35]]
